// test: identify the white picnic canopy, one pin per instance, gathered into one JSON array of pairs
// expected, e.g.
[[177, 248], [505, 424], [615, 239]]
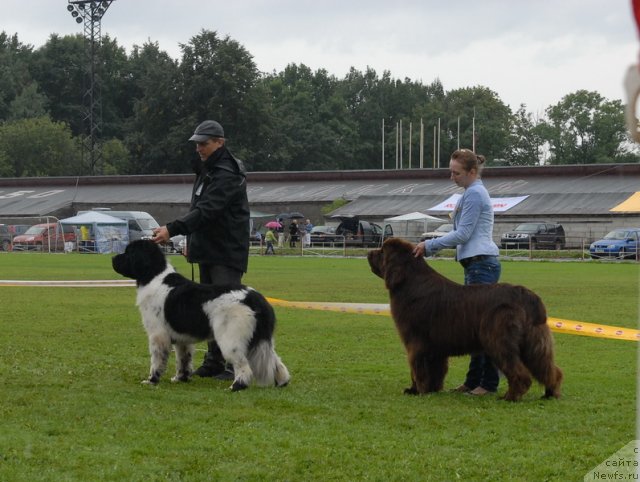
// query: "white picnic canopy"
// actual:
[[420, 222], [416, 216]]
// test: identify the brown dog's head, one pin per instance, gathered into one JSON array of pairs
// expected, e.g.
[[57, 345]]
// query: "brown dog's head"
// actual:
[[394, 261]]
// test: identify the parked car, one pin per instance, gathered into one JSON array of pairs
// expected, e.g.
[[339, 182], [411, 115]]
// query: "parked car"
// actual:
[[51, 236], [619, 243], [18, 229], [323, 234], [256, 237], [438, 232], [176, 244], [534, 236], [5, 238], [359, 233]]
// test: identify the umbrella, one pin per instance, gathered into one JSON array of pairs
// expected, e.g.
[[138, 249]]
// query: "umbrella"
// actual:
[[273, 225], [293, 215]]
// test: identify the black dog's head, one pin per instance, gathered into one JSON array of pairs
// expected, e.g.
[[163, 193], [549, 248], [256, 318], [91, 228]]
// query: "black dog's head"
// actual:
[[142, 260]]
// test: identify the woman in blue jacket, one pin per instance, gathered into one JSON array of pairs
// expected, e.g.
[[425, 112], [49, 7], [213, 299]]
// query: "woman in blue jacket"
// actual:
[[472, 237]]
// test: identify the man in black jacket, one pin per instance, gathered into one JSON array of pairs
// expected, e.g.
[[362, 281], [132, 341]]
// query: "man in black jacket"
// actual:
[[217, 224]]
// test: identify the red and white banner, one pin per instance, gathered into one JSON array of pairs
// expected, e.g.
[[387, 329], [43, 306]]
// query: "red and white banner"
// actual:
[[500, 204]]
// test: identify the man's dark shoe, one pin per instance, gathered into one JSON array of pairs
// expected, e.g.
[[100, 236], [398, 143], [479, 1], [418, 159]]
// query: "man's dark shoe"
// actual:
[[209, 371], [226, 375]]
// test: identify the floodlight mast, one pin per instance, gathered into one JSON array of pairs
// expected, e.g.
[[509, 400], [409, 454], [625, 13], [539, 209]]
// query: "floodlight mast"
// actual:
[[90, 12]]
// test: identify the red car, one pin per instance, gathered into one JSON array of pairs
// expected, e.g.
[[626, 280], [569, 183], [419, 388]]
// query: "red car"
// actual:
[[47, 237]]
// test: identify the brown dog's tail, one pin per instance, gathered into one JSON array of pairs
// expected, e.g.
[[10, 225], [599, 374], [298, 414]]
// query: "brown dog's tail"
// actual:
[[538, 356], [534, 306]]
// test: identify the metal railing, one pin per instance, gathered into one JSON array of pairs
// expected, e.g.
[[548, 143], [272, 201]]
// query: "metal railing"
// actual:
[[573, 248]]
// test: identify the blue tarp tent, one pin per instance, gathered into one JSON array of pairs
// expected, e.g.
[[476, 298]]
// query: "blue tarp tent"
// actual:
[[100, 233]]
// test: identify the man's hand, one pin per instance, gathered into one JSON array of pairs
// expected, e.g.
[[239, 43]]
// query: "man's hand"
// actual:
[[160, 235]]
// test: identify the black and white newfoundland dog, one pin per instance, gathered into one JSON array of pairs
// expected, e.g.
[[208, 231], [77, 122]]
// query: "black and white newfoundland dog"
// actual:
[[178, 311]]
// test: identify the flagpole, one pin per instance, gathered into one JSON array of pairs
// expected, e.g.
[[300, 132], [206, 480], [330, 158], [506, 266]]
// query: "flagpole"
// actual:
[[410, 140], [438, 142], [434, 146], [401, 146], [397, 145], [383, 143], [473, 131], [421, 143]]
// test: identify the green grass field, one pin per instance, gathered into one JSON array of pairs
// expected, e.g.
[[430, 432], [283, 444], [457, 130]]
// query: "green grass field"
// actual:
[[72, 407]]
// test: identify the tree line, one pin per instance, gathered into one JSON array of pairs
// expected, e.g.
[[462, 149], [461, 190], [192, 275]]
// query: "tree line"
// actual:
[[293, 120]]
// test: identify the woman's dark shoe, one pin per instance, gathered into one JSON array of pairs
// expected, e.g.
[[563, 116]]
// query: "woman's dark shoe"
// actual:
[[225, 375]]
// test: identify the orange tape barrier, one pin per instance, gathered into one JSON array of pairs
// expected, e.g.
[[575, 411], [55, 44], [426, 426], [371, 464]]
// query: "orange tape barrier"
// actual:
[[556, 324]]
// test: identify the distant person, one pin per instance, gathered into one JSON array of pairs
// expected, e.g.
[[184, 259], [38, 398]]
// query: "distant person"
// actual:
[[307, 233], [472, 237], [84, 233], [270, 238], [216, 226], [280, 231], [86, 241], [293, 233]]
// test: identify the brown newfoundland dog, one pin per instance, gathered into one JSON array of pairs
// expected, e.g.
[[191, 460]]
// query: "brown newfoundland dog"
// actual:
[[438, 318]]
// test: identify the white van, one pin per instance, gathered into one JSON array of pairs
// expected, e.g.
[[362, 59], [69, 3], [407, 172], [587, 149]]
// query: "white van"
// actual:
[[141, 224]]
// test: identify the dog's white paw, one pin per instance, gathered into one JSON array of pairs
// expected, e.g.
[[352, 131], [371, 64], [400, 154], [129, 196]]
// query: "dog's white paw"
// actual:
[[149, 382], [179, 378]]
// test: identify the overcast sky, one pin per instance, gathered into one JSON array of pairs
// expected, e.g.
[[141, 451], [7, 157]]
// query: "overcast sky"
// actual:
[[528, 51]]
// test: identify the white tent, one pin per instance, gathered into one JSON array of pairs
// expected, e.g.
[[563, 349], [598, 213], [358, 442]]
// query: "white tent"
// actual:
[[420, 223], [100, 232], [416, 216], [254, 216]]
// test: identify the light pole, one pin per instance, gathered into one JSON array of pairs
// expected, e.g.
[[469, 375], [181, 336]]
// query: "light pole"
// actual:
[[90, 12]]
